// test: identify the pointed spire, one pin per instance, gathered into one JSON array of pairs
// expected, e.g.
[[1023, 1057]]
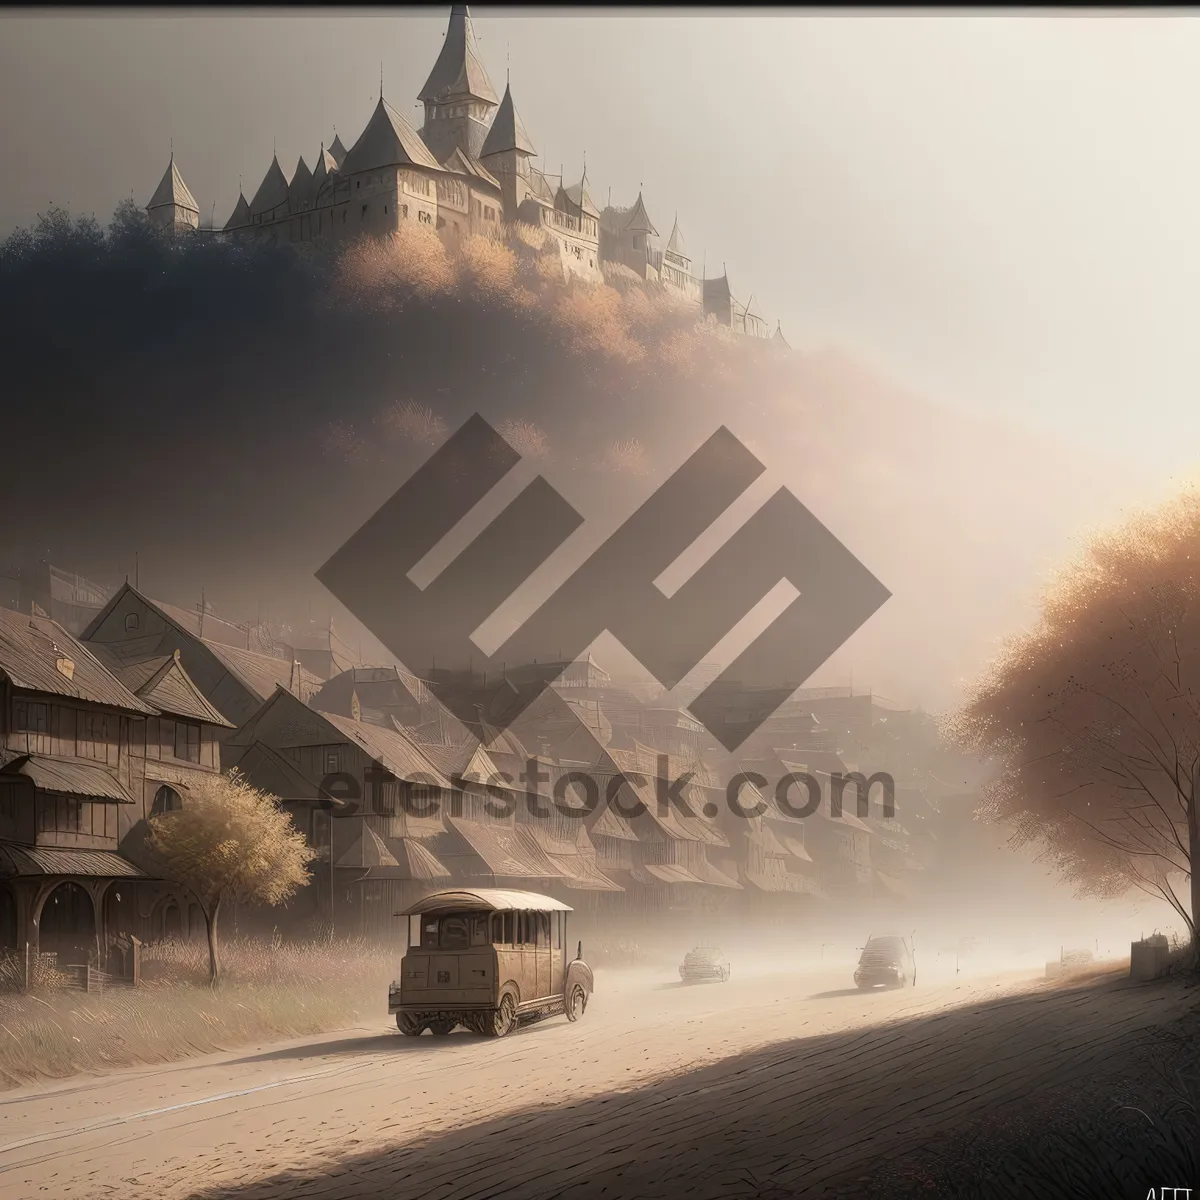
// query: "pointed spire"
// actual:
[[507, 131], [172, 191], [459, 73], [675, 242], [337, 149]]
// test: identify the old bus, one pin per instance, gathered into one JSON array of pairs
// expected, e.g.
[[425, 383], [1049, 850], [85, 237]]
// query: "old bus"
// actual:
[[488, 959]]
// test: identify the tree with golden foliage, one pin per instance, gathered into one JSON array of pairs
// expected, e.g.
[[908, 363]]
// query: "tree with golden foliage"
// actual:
[[229, 842], [1095, 715]]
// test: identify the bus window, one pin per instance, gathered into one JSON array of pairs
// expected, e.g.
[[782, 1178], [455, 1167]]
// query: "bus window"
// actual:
[[556, 930], [479, 930], [509, 928], [429, 933], [454, 934], [543, 929], [414, 932]]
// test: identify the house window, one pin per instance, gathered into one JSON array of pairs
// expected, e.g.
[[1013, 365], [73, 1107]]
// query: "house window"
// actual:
[[187, 741], [132, 621], [333, 762], [166, 800]]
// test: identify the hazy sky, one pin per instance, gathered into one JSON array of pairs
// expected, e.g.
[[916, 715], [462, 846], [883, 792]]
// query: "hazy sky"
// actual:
[[1000, 211]]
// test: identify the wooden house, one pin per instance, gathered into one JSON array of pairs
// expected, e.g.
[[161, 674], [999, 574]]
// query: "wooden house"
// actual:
[[87, 753], [234, 679]]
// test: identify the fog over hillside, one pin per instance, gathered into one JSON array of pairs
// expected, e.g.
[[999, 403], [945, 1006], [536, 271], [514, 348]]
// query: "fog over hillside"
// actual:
[[230, 416]]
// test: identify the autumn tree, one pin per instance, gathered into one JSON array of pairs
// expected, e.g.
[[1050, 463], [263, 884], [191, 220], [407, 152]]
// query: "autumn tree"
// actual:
[[229, 842], [1095, 715]]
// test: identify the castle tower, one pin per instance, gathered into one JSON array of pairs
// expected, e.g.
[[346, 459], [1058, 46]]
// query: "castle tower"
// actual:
[[172, 206], [506, 153], [458, 95]]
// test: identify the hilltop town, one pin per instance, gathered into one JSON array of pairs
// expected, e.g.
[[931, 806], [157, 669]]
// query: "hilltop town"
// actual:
[[468, 171]]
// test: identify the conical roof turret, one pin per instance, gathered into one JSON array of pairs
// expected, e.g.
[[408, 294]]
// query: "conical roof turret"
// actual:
[[173, 191], [507, 131]]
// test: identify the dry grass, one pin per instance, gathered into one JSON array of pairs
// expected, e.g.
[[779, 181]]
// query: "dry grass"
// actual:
[[272, 990]]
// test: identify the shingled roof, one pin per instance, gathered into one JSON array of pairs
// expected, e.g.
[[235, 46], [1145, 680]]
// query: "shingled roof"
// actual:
[[459, 71], [31, 651], [163, 682], [388, 141], [172, 190], [507, 131]]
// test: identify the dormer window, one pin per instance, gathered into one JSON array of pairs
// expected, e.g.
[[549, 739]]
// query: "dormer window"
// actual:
[[132, 621]]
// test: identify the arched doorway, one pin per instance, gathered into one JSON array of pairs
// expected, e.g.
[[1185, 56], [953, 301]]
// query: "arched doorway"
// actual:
[[172, 921], [67, 924]]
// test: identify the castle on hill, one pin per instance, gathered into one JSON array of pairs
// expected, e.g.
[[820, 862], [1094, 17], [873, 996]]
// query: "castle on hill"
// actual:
[[468, 170]]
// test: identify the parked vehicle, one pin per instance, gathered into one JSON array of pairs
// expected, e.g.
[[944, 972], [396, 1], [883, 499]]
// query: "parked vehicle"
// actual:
[[489, 959], [886, 961], [704, 963]]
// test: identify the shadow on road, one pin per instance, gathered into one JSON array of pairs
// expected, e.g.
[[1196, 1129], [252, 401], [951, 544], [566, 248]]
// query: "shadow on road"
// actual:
[[808, 1117], [390, 1042]]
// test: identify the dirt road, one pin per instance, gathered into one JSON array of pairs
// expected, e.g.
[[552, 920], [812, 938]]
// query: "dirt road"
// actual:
[[767, 1085]]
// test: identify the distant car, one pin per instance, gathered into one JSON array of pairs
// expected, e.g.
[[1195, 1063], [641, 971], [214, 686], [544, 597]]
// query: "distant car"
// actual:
[[704, 963], [886, 962]]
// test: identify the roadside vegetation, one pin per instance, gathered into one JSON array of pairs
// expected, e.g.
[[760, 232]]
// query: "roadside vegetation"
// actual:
[[269, 989]]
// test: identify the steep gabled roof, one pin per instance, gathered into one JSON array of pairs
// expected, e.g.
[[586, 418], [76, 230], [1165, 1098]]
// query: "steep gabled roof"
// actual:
[[338, 151], [459, 71], [172, 190], [163, 682], [388, 141], [463, 164], [301, 189], [241, 214], [272, 192], [507, 131], [675, 241]]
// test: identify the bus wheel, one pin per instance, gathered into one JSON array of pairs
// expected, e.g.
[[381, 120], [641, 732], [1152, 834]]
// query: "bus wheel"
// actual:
[[503, 1018], [576, 1003], [409, 1025]]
